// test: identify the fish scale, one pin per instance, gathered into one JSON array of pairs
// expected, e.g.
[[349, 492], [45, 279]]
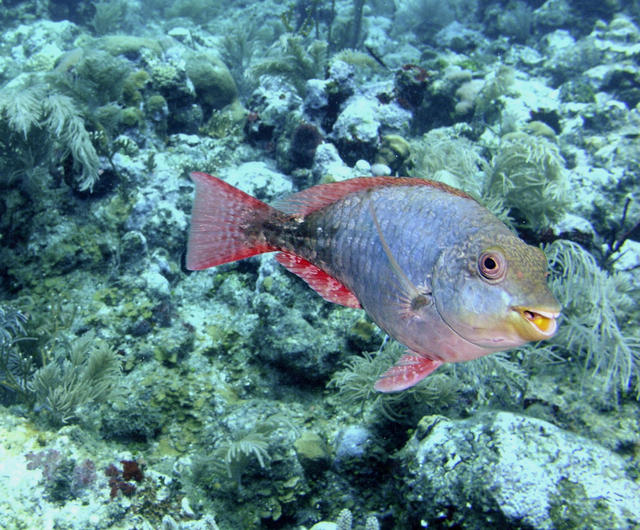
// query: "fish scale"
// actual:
[[431, 266]]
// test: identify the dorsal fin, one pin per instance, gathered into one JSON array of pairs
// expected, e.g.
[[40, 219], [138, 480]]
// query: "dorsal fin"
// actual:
[[306, 201], [326, 286]]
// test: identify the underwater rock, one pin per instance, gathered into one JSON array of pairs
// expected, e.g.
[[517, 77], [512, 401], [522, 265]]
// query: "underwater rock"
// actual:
[[553, 14], [501, 469], [133, 421], [156, 283], [590, 11], [316, 98], [257, 179], [325, 97], [182, 35], [459, 38], [212, 80], [273, 106], [573, 225], [380, 168], [565, 58], [358, 127], [620, 80], [40, 44], [312, 452], [155, 214], [603, 56], [363, 168], [128, 45], [303, 351], [629, 257], [343, 75], [296, 332], [352, 443], [327, 162], [623, 31]]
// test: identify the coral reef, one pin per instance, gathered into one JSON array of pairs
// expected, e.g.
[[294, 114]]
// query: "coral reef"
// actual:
[[137, 394], [509, 451]]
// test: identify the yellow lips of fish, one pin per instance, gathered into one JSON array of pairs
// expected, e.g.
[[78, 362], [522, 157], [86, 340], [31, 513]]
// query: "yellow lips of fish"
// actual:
[[534, 323]]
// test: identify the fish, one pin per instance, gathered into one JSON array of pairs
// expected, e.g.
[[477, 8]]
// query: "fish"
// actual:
[[431, 266]]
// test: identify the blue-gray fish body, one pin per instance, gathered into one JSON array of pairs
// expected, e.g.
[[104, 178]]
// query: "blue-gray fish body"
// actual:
[[431, 266], [418, 223]]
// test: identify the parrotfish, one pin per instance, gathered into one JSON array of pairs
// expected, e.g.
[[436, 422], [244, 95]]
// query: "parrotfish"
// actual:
[[431, 266]]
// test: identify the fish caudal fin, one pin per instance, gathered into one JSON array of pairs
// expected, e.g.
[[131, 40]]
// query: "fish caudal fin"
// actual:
[[410, 369], [219, 221]]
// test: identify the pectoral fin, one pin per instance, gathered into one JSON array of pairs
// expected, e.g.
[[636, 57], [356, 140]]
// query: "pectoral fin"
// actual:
[[410, 369]]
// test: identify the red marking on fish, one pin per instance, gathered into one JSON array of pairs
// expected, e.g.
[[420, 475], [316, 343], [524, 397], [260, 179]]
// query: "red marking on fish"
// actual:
[[329, 288], [220, 216], [409, 370], [313, 199]]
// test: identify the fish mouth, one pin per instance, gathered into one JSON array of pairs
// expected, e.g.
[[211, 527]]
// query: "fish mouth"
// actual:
[[535, 324]]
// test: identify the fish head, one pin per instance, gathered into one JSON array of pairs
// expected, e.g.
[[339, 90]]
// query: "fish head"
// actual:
[[493, 292]]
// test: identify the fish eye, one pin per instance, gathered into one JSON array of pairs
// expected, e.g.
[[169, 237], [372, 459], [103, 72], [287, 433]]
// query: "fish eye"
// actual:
[[492, 265]]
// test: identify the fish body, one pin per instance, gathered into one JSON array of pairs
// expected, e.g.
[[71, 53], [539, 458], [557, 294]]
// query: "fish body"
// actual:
[[431, 266]]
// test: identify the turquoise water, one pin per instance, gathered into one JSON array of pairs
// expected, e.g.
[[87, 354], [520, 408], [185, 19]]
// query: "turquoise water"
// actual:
[[135, 393]]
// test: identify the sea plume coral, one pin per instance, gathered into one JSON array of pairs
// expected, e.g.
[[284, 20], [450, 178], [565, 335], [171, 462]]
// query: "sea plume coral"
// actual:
[[87, 373], [599, 310], [36, 117], [294, 61], [15, 368]]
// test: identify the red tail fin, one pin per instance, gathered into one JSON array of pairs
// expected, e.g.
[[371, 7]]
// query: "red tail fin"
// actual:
[[220, 217]]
